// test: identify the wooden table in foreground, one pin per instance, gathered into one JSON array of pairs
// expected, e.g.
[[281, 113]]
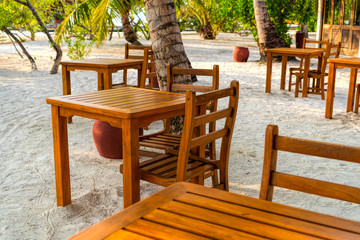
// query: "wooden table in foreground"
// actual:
[[349, 62], [306, 53], [189, 211], [128, 108]]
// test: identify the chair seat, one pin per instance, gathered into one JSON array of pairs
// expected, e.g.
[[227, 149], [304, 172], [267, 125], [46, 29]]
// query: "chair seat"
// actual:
[[161, 170], [160, 141]]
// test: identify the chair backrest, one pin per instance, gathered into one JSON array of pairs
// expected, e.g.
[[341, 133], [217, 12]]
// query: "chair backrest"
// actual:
[[194, 134], [148, 69], [172, 71], [307, 43], [271, 177], [133, 51], [331, 50]]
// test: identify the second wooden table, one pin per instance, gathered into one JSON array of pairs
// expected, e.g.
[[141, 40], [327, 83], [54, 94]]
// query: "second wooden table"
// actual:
[[306, 53]]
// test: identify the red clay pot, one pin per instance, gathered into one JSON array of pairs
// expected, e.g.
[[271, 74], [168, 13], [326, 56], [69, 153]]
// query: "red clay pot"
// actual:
[[108, 139], [241, 54]]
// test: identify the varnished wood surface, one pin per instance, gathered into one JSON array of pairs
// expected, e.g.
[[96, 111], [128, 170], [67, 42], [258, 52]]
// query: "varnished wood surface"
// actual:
[[350, 62], [127, 108], [190, 211], [305, 53], [102, 62]]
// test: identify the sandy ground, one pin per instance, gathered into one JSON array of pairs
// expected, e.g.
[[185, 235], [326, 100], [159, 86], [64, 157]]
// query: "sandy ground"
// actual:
[[27, 195]]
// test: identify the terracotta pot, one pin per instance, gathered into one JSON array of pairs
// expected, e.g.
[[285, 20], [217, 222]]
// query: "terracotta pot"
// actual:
[[241, 54], [108, 139]]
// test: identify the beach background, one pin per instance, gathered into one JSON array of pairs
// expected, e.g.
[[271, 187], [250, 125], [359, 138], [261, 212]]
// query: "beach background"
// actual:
[[27, 185]]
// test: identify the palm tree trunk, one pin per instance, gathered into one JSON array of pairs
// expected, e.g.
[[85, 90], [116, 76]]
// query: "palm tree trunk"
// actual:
[[56, 47], [128, 30], [32, 61], [167, 44], [268, 38]]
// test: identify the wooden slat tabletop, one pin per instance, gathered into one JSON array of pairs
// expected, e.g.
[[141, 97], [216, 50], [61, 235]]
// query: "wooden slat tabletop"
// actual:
[[126, 102], [346, 60], [189, 211]]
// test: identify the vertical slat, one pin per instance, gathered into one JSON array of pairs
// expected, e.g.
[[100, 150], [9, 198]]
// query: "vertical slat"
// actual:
[[268, 72]]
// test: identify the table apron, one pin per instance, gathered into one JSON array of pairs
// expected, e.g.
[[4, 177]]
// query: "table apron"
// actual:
[[296, 55]]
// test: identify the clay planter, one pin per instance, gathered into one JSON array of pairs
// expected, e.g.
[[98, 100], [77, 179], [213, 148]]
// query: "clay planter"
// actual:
[[108, 139], [241, 54]]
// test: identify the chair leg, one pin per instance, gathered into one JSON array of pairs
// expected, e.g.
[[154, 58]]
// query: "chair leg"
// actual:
[[297, 86], [290, 79], [357, 99], [322, 88]]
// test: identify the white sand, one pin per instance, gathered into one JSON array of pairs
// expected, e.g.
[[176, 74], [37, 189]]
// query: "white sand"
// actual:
[[27, 195]]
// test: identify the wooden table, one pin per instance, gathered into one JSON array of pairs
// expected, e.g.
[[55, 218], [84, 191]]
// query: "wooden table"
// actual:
[[189, 211], [349, 62], [306, 53], [105, 67], [128, 108]]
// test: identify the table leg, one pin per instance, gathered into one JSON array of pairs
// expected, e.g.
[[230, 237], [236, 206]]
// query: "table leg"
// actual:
[[352, 83], [66, 84], [131, 173], [107, 79], [283, 71], [268, 73], [306, 76], [100, 81], [330, 91], [61, 158]]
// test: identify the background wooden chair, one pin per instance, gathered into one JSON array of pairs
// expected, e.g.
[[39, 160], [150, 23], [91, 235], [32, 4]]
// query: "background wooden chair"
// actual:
[[318, 83], [271, 177], [163, 139], [183, 165], [306, 44], [131, 52], [148, 71]]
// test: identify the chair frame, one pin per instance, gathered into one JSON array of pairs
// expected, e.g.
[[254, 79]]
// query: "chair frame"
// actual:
[[148, 69], [271, 177], [319, 77], [357, 100], [194, 167], [300, 68]]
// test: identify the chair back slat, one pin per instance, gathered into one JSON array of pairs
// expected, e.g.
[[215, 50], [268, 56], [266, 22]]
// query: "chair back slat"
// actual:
[[319, 149], [148, 69], [272, 178], [317, 187], [214, 116], [208, 138], [185, 87]]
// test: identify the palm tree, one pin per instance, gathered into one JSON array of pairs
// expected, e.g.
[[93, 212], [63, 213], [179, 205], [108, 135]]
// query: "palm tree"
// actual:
[[268, 38]]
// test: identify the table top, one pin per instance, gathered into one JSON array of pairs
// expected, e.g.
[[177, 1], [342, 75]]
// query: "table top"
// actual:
[[102, 62], [125, 102], [303, 51], [190, 211], [345, 60]]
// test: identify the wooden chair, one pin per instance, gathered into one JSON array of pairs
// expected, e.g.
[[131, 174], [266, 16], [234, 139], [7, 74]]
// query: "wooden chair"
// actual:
[[272, 178], [318, 84], [148, 70], [294, 70], [357, 100], [183, 165], [131, 52], [164, 139]]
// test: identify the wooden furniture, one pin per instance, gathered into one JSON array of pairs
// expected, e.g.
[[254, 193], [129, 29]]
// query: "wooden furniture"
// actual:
[[349, 62], [271, 177], [163, 139], [357, 100], [300, 69], [148, 70], [184, 165], [105, 67], [134, 52], [318, 83], [128, 108], [190, 211], [288, 52]]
